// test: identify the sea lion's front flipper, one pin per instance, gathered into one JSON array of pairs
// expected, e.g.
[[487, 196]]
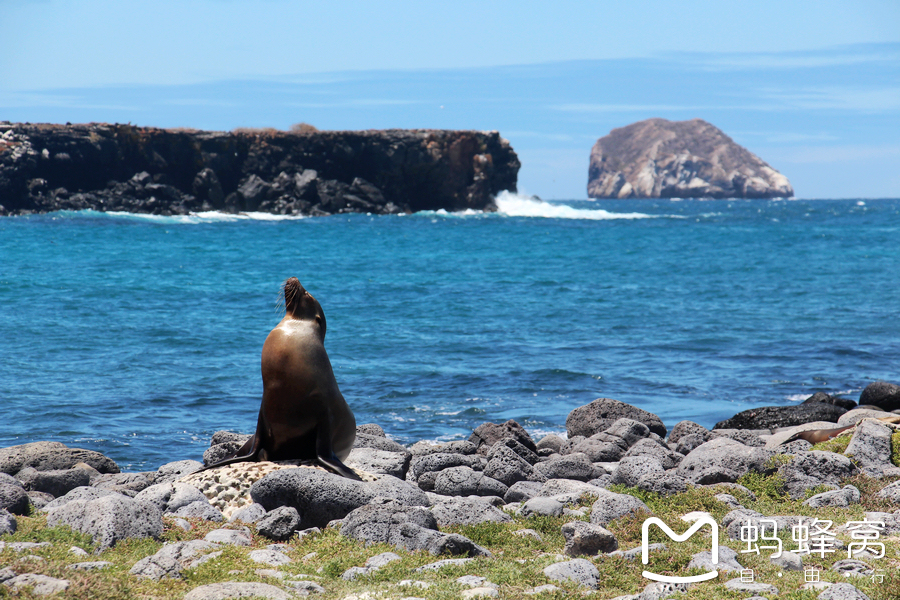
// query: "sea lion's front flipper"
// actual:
[[325, 453]]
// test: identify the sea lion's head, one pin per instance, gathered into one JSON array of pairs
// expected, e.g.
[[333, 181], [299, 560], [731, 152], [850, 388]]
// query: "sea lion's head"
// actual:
[[300, 304]]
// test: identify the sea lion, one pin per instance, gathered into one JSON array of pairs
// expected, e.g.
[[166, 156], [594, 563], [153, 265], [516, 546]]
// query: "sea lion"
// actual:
[[815, 436], [303, 414]]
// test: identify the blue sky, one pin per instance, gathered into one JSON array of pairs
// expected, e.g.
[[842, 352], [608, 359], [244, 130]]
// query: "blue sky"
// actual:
[[813, 88]]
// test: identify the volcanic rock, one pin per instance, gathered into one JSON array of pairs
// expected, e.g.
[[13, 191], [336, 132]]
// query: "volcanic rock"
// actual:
[[657, 158], [46, 167]]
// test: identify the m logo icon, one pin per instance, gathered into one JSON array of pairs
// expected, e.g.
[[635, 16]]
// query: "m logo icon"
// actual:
[[707, 520]]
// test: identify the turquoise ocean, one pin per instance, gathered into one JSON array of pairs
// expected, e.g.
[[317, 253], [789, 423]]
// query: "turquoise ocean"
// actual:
[[140, 336]]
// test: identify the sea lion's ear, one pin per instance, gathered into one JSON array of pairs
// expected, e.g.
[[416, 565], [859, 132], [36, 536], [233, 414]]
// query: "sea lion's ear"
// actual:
[[320, 319]]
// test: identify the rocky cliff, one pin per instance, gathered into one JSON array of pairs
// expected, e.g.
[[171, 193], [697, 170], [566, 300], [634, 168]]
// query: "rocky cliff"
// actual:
[[657, 158], [141, 169]]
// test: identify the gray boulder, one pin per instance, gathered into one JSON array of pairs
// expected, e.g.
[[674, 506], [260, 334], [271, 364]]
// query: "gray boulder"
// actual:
[[157, 567], [422, 448], [488, 434], [237, 589], [269, 556], [647, 447], [321, 497], [556, 487], [552, 442], [626, 429], [80, 493], [748, 437], [199, 509], [890, 492], [575, 466], [220, 452], [843, 497], [279, 524], [610, 506], [171, 496], [632, 469], [842, 591], [463, 481], [587, 538], [232, 537], [466, 511], [723, 459], [169, 472], [410, 528], [507, 467], [123, 483], [541, 506], [109, 519], [51, 456], [248, 514], [609, 449], [8, 523], [521, 491], [688, 443], [807, 470], [850, 567], [578, 571], [771, 417], [13, 498], [727, 561], [57, 482], [684, 428], [41, 585], [664, 484], [371, 429], [530, 456], [827, 399], [438, 461], [383, 462], [870, 447], [378, 442], [600, 414], [882, 394], [852, 417]]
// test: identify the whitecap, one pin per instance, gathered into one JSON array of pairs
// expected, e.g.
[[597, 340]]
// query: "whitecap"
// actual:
[[210, 216], [516, 205], [797, 397]]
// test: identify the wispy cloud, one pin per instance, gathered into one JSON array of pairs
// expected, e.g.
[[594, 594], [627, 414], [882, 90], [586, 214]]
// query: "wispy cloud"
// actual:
[[838, 98], [837, 57], [358, 102], [52, 100], [840, 154]]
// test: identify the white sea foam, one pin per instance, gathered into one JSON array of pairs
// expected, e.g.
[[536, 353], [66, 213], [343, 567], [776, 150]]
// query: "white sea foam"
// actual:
[[515, 205], [211, 216], [797, 397]]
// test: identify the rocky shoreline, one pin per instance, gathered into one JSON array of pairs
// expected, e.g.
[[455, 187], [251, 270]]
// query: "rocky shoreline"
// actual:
[[498, 514], [116, 167]]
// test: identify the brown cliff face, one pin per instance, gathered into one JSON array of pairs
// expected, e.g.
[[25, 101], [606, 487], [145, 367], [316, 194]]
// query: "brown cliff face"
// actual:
[[143, 169], [657, 158]]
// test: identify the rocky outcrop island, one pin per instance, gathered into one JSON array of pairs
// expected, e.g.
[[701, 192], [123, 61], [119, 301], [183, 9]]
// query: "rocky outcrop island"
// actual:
[[115, 167], [657, 158]]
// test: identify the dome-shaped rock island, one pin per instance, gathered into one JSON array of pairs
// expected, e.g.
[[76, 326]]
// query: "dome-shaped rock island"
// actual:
[[657, 158]]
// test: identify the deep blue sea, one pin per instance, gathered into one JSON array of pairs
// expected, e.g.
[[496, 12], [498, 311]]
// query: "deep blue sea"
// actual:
[[140, 336]]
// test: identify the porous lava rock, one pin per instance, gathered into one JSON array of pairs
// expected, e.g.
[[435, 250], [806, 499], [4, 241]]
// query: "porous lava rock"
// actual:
[[882, 394], [657, 158], [47, 167], [602, 413], [770, 417]]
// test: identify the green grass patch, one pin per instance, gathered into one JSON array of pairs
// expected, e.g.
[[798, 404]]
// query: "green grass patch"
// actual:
[[517, 563], [838, 444], [895, 449]]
